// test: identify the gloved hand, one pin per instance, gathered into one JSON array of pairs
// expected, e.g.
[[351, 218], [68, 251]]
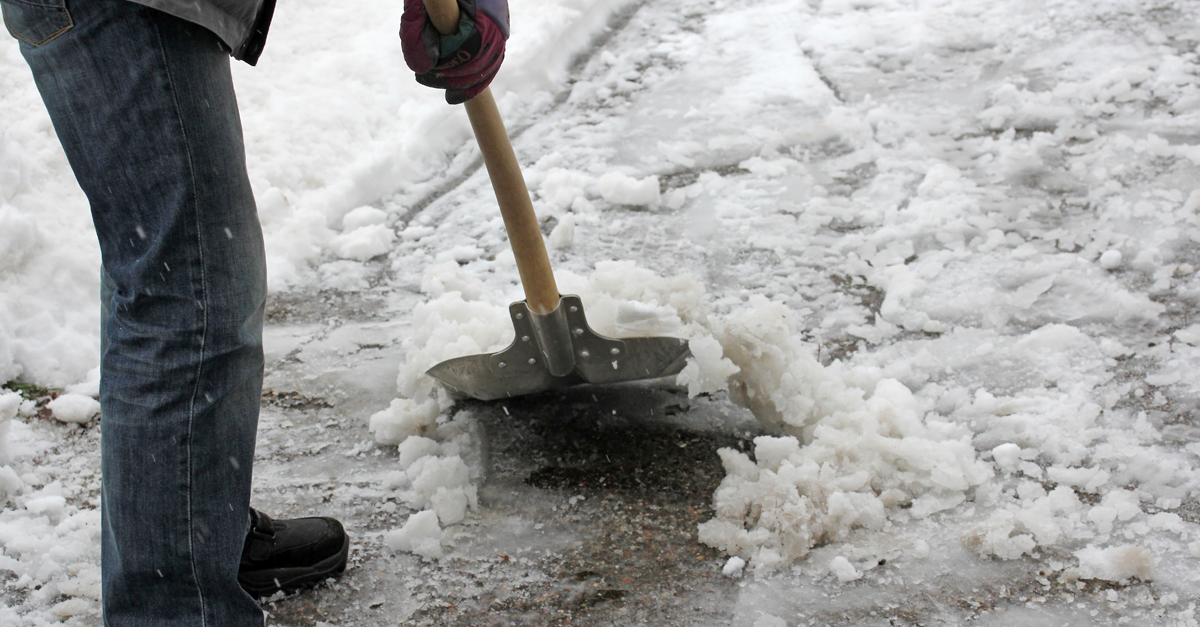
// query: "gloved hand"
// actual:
[[462, 63]]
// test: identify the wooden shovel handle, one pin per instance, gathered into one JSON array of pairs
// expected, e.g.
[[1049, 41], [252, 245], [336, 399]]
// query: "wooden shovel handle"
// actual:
[[524, 233]]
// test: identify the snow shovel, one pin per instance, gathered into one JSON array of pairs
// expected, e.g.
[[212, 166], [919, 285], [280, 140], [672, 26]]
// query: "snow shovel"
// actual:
[[554, 346]]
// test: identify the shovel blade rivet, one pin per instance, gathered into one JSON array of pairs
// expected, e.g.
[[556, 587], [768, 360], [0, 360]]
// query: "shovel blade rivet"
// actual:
[[524, 338], [574, 309], [520, 316], [578, 331], [502, 364], [584, 354], [532, 361], [615, 351]]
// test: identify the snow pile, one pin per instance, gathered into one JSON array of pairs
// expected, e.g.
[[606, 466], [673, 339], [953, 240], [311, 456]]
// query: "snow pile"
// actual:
[[49, 262], [862, 460], [439, 455], [403, 419], [889, 438], [440, 478], [433, 476], [438, 448], [17, 235], [437, 475], [620, 300], [852, 446]]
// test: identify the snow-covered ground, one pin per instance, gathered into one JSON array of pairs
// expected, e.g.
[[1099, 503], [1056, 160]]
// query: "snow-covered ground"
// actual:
[[945, 252]]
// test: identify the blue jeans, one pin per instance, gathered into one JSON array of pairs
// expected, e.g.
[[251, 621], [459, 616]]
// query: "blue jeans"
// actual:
[[143, 104]]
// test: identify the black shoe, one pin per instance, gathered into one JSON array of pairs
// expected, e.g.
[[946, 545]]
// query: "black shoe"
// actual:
[[288, 555]]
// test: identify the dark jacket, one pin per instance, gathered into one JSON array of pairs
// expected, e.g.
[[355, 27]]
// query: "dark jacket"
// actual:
[[241, 24]]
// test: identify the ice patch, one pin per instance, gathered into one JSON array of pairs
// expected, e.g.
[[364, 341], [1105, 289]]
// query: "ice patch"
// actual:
[[769, 620]]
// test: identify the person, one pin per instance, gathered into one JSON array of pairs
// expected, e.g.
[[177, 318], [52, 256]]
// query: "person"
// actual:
[[141, 97]]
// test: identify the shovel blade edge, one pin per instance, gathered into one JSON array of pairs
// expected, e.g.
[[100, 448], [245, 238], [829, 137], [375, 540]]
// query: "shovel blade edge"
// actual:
[[520, 369]]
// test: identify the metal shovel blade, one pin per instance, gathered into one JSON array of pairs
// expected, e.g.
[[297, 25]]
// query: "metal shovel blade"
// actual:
[[522, 367]]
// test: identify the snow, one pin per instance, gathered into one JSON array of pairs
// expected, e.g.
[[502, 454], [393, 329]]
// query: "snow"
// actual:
[[75, 408], [404, 418], [621, 189], [844, 570], [415, 447], [420, 535], [69, 608], [364, 242], [50, 526], [9, 403], [944, 252], [363, 216], [563, 234], [1116, 563]]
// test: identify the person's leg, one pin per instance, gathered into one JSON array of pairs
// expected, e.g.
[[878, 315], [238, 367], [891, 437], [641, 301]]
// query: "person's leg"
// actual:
[[143, 104]]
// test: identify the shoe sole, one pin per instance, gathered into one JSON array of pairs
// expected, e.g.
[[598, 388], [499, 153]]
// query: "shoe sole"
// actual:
[[288, 580]]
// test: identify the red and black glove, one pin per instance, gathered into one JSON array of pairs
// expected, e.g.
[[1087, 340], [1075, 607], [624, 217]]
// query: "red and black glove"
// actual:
[[463, 63]]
